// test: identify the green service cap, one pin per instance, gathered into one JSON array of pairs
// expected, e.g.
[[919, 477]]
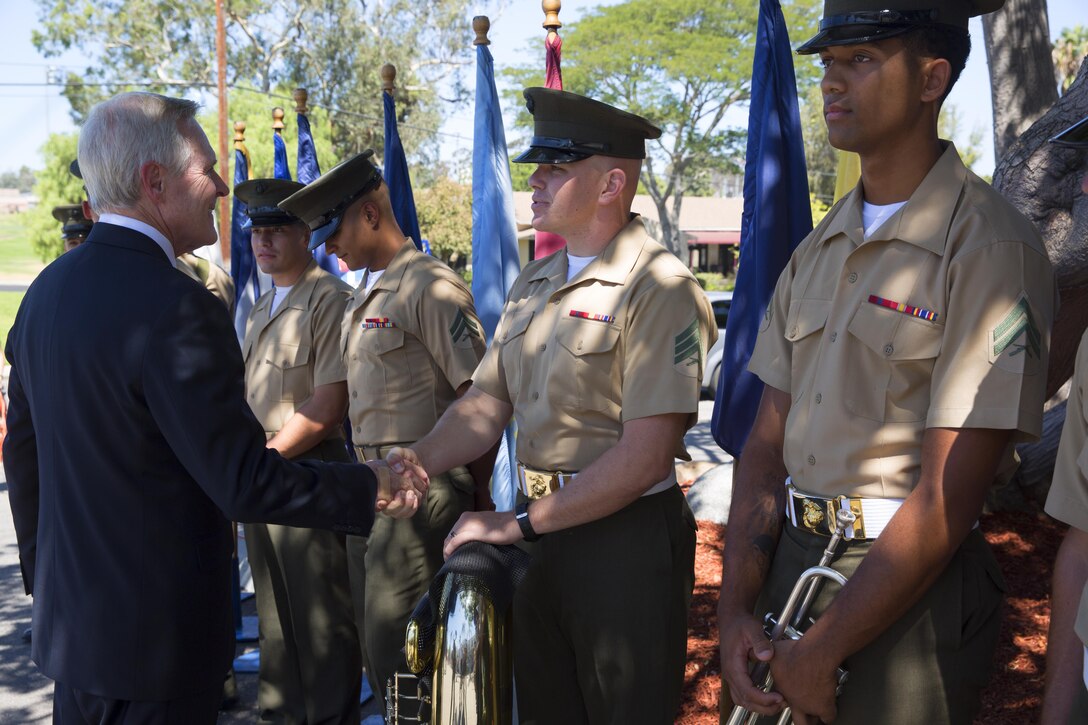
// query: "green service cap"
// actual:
[[262, 197], [568, 127], [1076, 136], [75, 224], [322, 202], [847, 22]]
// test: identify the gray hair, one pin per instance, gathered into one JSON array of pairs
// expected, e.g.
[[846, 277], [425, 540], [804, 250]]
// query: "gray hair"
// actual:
[[124, 133]]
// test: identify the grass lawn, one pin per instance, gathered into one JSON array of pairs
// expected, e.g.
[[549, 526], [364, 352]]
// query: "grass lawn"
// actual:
[[17, 257]]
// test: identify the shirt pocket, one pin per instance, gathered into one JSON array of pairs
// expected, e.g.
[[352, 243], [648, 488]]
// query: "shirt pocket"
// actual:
[[387, 364], [581, 376], [804, 320], [289, 371], [889, 375], [511, 338]]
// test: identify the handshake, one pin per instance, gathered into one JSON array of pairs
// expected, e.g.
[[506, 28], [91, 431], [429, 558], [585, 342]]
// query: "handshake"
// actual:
[[402, 483]]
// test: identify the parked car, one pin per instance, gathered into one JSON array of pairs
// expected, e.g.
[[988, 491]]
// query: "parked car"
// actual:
[[720, 303]]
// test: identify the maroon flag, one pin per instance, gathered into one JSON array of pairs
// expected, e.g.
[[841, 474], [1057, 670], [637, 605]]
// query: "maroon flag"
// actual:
[[545, 242]]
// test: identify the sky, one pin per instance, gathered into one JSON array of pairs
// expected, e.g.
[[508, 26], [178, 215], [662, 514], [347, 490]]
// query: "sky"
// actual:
[[32, 110]]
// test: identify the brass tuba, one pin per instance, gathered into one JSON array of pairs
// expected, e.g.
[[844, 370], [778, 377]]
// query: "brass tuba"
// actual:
[[458, 643], [789, 622]]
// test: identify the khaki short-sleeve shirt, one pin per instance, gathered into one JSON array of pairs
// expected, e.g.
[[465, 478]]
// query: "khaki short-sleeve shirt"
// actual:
[[626, 338], [214, 278], [941, 319], [409, 344], [1068, 497], [296, 348]]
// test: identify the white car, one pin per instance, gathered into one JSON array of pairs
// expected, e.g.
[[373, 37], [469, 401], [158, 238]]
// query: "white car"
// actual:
[[720, 303]]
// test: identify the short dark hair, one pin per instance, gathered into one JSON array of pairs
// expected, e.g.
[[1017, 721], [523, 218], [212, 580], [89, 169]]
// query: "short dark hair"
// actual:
[[940, 41]]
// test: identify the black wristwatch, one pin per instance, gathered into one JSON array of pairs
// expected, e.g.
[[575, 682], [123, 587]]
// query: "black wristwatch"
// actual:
[[521, 513]]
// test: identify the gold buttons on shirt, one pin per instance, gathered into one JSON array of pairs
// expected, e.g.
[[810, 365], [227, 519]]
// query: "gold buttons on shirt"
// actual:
[[818, 398], [888, 349], [812, 460], [833, 336], [853, 277]]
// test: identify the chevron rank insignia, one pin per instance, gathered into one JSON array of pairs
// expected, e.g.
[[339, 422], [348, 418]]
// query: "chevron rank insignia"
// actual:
[[1016, 343], [463, 329], [687, 350]]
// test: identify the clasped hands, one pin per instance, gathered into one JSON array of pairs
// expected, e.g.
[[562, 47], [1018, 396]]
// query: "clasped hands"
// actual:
[[802, 677], [401, 488]]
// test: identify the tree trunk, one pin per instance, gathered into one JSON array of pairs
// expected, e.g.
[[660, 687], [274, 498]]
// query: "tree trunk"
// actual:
[[1022, 83], [1043, 181]]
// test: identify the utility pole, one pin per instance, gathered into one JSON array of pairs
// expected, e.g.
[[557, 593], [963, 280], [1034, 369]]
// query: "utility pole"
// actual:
[[224, 144]]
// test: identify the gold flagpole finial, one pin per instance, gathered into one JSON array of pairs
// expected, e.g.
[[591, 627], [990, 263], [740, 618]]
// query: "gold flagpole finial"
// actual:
[[389, 77], [277, 119], [551, 15], [300, 95], [240, 135], [481, 24]]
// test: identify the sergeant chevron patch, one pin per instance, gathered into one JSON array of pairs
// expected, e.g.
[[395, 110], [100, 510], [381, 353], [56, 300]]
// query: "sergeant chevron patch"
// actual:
[[1016, 342], [687, 352], [463, 329]]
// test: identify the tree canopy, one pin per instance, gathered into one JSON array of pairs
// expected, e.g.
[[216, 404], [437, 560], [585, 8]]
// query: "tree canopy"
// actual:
[[55, 186], [684, 64], [332, 47]]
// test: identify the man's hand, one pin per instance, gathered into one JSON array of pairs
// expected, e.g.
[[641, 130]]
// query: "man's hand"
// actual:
[[491, 527], [399, 492], [742, 641], [807, 680]]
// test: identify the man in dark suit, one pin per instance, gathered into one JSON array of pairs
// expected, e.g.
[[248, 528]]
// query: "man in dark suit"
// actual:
[[130, 443]]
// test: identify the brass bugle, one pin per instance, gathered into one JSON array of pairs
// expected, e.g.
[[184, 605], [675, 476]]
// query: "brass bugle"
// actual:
[[788, 623]]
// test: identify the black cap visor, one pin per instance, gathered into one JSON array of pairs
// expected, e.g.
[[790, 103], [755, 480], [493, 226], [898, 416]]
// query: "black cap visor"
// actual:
[[1076, 136], [865, 27], [323, 233]]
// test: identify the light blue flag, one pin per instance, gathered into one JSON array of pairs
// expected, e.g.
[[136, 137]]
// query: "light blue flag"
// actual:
[[243, 267], [395, 169], [495, 261], [308, 171], [776, 217]]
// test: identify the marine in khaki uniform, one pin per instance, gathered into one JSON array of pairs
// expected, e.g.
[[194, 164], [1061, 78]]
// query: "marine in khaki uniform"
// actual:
[[310, 666], [1065, 700], [598, 357], [410, 339], [214, 278], [75, 226], [904, 353]]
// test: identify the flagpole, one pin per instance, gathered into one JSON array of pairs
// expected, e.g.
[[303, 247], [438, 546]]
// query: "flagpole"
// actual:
[[224, 149]]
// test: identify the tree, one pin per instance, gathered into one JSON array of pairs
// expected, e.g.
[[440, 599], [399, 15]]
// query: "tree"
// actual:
[[1022, 84], [55, 186], [445, 219], [1069, 50], [332, 47], [23, 179], [681, 63]]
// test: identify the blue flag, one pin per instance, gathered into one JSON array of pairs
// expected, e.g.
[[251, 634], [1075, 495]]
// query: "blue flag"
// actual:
[[395, 167], [280, 169], [776, 217], [495, 260], [243, 267], [308, 170]]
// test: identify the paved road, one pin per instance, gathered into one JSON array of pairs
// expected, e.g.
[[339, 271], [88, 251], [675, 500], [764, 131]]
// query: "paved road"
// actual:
[[26, 696]]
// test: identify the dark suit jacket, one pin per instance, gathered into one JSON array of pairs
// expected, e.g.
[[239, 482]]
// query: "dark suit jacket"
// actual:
[[130, 446]]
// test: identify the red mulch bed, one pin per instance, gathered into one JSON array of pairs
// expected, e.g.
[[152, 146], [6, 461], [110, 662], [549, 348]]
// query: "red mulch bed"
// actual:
[[1025, 545]]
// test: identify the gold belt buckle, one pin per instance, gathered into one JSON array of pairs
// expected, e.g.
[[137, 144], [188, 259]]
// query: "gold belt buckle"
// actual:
[[812, 515], [539, 484]]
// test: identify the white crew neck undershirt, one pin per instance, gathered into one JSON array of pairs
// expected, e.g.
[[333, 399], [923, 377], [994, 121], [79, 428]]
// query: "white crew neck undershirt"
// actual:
[[873, 215], [576, 265], [279, 294]]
